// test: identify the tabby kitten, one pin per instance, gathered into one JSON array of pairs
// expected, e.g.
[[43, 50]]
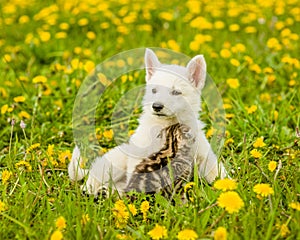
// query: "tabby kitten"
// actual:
[[167, 169]]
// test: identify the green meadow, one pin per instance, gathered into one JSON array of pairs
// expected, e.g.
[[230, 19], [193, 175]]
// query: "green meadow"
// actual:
[[47, 50]]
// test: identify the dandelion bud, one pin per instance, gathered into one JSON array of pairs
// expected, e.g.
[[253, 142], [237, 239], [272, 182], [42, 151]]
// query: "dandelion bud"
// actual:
[[22, 124]]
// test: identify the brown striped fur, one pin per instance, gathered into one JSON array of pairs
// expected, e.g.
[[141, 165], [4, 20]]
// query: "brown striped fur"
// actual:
[[167, 169]]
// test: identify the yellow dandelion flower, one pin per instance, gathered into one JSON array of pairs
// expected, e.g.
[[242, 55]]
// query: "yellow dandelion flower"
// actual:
[[235, 62], [3, 206], [193, 6], [132, 209], [109, 134], [274, 44], [219, 25], [77, 50], [234, 27], [187, 234], [220, 234], [121, 63], [56, 235], [275, 115], [233, 83], [121, 214], [272, 166], [251, 109], [23, 165], [225, 184], [188, 186], [45, 36], [145, 27], [174, 45], [7, 58], [263, 189], [5, 176], [292, 83], [83, 22], [64, 26], [24, 114], [259, 142], [130, 132], [229, 115], [250, 29], [168, 16], [285, 32], [271, 78], [4, 109], [76, 64], [265, 97], [24, 19], [284, 230], [225, 53], [104, 25], [91, 35], [61, 35], [32, 147], [64, 156], [89, 66], [227, 106], [50, 151], [255, 153], [201, 23], [19, 99], [295, 205], [248, 59], [255, 68], [87, 52], [145, 206], [229, 141], [123, 29], [60, 223], [39, 79], [122, 236], [85, 218], [158, 232], [210, 132], [268, 70], [279, 25], [231, 201]]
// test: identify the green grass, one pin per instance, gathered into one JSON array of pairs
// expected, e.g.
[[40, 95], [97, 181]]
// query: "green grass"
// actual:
[[31, 201]]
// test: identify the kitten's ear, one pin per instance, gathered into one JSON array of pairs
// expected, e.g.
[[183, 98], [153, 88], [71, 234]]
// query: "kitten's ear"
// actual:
[[160, 135], [197, 71], [151, 63]]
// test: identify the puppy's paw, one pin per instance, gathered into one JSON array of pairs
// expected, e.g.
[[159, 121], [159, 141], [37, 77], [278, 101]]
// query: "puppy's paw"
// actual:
[[101, 192]]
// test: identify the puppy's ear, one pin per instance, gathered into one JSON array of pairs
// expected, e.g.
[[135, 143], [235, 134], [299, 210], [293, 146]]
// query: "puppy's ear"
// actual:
[[151, 63], [197, 71]]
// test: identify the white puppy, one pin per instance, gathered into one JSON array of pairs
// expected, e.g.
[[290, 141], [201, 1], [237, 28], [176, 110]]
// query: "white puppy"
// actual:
[[173, 94]]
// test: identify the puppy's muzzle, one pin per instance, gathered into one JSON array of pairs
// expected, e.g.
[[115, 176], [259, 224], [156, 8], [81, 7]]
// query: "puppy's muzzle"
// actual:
[[157, 107]]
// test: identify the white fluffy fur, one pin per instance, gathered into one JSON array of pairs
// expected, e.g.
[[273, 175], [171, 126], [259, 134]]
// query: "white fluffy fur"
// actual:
[[117, 165]]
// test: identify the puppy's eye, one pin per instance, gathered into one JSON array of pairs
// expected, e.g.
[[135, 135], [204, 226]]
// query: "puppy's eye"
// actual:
[[176, 92], [154, 90]]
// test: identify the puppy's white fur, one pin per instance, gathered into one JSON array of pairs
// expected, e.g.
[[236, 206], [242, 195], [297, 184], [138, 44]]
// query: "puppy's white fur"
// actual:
[[178, 90]]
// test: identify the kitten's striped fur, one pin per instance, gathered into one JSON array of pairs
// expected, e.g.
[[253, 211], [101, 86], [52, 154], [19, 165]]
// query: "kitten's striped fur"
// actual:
[[168, 168]]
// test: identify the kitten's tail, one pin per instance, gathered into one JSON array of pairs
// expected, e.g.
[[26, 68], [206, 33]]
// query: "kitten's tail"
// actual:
[[76, 173]]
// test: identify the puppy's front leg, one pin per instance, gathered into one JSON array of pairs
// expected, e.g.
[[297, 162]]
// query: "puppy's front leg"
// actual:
[[208, 164], [108, 171]]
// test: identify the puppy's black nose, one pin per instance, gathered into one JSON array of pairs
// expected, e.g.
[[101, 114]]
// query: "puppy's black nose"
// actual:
[[157, 106]]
